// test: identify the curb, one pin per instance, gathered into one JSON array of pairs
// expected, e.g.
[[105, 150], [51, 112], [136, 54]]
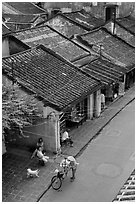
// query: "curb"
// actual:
[[85, 146], [41, 195]]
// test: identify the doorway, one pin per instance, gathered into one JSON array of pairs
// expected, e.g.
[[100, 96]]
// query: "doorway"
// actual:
[[110, 12]]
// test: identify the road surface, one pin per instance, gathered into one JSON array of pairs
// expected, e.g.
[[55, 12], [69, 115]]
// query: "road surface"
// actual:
[[105, 164]]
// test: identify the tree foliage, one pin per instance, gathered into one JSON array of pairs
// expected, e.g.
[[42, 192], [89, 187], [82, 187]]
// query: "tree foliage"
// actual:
[[18, 110]]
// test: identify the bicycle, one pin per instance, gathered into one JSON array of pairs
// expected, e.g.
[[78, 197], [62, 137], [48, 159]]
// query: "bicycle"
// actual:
[[56, 181]]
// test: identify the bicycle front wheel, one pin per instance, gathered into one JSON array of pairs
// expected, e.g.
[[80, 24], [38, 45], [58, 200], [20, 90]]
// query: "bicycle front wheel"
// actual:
[[56, 183]]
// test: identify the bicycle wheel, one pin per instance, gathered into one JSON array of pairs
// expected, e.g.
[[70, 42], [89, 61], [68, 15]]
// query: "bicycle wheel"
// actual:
[[56, 183]]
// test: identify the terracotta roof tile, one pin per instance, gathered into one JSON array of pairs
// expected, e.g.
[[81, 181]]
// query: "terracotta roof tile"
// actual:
[[122, 33], [65, 26], [127, 22], [52, 39], [113, 46], [104, 71], [24, 7], [85, 19], [54, 79], [19, 18]]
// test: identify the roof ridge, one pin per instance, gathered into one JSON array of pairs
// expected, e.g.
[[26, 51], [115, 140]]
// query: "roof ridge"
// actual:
[[38, 7], [115, 36], [125, 28], [67, 38], [105, 29], [25, 29], [57, 56], [34, 28], [61, 14]]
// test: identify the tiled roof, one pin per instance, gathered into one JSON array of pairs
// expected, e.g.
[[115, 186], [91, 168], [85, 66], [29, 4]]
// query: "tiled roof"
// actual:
[[113, 46], [51, 77], [53, 40], [65, 26], [127, 192], [19, 18], [85, 19], [85, 60], [22, 8], [122, 33], [127, 22], [15, 27], [104, 71]]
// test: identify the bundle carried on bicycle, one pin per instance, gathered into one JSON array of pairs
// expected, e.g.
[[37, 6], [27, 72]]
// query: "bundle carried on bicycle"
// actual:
[[67, 164]]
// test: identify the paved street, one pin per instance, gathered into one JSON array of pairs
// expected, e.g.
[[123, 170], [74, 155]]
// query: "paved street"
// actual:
[[105, 164], [16, 187]]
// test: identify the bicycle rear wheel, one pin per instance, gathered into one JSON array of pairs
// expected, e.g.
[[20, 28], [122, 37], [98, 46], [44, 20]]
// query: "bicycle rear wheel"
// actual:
[[56, 183]]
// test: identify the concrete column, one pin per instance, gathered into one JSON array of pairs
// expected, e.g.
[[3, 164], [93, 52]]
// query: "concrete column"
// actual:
[[57, 135], [122, 87], [98, 103], [90, 106]]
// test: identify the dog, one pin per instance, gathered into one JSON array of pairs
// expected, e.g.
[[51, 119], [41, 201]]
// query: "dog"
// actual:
[[32, 173]]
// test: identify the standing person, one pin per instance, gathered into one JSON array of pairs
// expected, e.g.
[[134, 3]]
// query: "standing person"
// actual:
[[73, 166], [102, 101]]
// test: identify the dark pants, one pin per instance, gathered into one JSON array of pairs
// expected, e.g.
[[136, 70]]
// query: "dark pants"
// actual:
[[67, 141]]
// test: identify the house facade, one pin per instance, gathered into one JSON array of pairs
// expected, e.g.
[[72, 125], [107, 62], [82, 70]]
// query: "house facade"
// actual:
[[110, 75], [103, 10], [60, 86], [11, 45], [114, 48], [109, 10]]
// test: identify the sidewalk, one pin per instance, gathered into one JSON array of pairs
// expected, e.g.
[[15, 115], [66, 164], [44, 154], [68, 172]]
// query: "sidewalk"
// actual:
[[17, 188]]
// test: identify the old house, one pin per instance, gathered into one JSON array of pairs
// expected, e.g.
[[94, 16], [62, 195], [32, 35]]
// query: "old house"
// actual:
[[109, 74], [10, 44], [110, 10], [66, 26], [127, 22], [54, 40], [66, 93], [21, 21], [84, 18], [21, 8], [120, 31], [113, 48], [55, 7]]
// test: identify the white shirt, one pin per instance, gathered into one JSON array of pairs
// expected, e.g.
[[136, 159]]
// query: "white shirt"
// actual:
[[102, 98], [39, 154], [65, 136]]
